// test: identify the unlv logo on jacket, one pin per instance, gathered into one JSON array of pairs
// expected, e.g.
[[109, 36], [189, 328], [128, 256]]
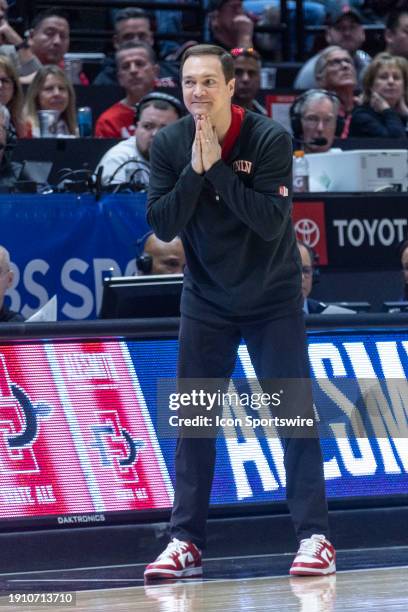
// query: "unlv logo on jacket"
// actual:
[[242, 165]]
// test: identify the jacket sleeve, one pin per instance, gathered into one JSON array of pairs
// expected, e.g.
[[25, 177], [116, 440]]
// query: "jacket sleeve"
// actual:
[[172, 198], [265, 206], [367, 124]]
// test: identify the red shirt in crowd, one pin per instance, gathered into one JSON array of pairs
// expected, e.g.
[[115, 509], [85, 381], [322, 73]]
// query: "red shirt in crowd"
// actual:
[[116, 122]]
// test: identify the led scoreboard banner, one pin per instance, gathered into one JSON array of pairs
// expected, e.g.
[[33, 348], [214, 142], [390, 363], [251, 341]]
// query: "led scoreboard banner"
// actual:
[[78, 421]]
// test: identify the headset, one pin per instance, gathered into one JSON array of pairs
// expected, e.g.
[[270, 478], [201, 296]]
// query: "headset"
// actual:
[[158, 95], [144, 261], [295, 111], [314, 258]]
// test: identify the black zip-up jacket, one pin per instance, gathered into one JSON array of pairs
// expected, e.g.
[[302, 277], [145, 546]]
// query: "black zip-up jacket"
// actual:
[[234, 221]]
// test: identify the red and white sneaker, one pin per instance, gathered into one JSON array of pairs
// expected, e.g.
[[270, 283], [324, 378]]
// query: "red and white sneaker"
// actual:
[[316, 557], [179, 560]]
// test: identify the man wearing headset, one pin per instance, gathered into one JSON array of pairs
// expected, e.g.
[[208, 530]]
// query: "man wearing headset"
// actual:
[[314, 120], [128, 161]]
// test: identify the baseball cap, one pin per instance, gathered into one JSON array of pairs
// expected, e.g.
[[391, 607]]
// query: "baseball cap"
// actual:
[[342, 12]]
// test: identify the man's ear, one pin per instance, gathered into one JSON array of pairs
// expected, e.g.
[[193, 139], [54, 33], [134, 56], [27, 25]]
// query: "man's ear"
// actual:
[[388, 36], [10, 278], [231, 87]]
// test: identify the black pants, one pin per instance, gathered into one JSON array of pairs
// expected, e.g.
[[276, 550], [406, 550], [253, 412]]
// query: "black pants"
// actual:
[[277, 349]]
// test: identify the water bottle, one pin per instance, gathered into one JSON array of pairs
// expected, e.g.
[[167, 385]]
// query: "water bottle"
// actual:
[[84, 119], [300, 172]]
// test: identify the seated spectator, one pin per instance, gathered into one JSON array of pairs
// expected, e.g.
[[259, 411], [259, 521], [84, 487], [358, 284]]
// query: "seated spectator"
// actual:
[[384, 112], [133, 25], [11, 95], [6, 280], [247, 69], [396, 33], [50, 90], [137, 74], [309, 257], [345, 31], [49, 39], [314, 120], [128, 161], [335, 72], [15, 47], [9, 171], [160, 257], [229, 26]]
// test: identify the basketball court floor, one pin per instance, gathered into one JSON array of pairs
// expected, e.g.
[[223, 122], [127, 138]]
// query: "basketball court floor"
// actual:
[[368, 579]]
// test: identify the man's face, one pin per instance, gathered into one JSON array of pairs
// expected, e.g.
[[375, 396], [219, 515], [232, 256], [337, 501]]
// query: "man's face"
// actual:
[[136, 73], [397, 40], [347, 33], [135, 30], [50, 40], [307, 271], [6, 277], [151, 121], [339, 71], [318, 121], [225, 15], [168, 257], [205, 90], [247, 78]]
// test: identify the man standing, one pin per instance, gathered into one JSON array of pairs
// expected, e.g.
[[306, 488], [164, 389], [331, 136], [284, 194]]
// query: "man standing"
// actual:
[[226, 190]]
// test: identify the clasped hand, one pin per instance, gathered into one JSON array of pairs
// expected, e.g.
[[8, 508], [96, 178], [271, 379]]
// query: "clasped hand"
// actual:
[[206, 150]]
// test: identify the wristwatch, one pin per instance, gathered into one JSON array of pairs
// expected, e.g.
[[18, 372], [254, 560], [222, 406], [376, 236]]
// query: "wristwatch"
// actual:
[[23, 45]]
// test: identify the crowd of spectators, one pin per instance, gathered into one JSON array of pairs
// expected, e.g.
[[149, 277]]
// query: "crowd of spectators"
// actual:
[[340, 91], [364, 88]]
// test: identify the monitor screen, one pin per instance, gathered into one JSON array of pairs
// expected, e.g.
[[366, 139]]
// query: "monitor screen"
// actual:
[[127, 297]]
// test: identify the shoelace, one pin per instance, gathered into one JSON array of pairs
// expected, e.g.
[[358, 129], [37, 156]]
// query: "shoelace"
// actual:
[[311, 546], [173, 548]]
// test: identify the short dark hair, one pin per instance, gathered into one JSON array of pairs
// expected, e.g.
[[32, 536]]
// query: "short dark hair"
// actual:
[[159, 100], [130, 13], [130, 44], [227, 63], [159, 104], [51, 12], [392, 21]]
